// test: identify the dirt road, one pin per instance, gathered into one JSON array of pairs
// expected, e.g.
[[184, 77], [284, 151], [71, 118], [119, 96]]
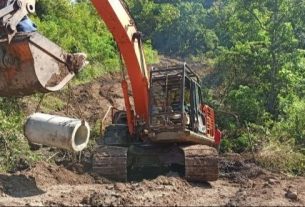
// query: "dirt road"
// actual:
[[240, 184]]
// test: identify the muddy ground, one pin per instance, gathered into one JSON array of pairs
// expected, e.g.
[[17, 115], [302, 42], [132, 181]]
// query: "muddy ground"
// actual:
[[240, 184]]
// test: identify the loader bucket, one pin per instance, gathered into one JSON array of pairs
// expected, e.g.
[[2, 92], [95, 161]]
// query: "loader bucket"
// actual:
[[31, 63]]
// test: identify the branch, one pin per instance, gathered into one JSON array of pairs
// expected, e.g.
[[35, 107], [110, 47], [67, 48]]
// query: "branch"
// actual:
[[256, 17]]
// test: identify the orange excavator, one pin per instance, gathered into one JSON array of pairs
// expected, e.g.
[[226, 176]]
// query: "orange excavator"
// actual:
[[164, 127], [169, 128]]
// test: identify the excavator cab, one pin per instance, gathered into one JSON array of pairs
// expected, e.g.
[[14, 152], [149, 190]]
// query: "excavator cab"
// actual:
[[29, 62], [176, 110]]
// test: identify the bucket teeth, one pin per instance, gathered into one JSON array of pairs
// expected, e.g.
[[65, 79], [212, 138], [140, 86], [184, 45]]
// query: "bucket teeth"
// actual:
[[77, 61]]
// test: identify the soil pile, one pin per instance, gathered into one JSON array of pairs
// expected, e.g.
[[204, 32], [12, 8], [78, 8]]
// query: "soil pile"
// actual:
[[240, 184], [235, 168], [46, 175]]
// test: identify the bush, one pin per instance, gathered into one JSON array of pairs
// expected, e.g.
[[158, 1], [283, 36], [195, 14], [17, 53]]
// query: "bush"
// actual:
[[282, 156], [292, 123], [14, 146], [246, 103]]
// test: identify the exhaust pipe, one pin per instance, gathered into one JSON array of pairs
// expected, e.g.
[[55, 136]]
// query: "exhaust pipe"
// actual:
[[57, 131]]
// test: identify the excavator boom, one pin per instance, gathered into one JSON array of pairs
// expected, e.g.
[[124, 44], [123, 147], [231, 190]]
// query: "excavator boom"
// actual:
[[123, 29]]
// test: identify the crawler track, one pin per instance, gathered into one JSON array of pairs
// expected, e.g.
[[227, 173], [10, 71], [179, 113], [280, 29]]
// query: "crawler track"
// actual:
[[201, 163], [111, 162]]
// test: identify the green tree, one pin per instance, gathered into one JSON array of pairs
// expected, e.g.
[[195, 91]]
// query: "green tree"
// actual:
[[182, 28], [264, 48]]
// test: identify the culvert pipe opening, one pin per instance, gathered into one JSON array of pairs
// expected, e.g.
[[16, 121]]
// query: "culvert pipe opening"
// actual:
[[57, 131], [80, 137]]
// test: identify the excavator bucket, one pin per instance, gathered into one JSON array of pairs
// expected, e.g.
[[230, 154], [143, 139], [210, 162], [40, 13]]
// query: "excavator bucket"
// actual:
[[31, 63]]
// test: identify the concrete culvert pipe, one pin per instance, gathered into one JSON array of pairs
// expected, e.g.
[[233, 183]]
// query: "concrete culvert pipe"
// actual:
[[57, 131]]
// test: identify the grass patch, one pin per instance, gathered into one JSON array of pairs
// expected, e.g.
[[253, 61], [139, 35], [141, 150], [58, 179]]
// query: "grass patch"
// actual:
[[49, 103], [14, 146], [52, 103], [151, 55], [282, 157]]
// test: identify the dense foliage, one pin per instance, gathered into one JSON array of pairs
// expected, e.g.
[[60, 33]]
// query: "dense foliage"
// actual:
[[258, 56]]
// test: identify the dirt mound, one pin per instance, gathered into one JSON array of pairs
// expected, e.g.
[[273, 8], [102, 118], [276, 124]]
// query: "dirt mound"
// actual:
[[235, 168], [93, 99], [160, 191], [37, 179], [47, 184], [46, 175], [18, 186]]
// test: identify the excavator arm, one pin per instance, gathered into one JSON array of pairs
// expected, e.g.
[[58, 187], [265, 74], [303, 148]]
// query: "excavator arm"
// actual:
[[121, 25]]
